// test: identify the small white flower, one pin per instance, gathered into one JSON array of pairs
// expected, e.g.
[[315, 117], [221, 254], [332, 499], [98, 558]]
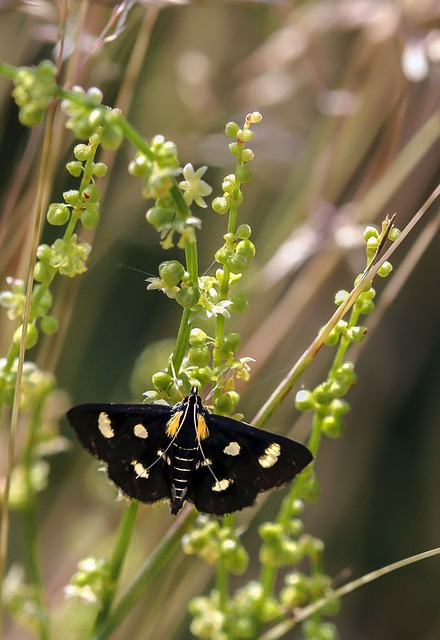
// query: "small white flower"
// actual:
[[85, 593], [194, 187], [219, 309], [158, 283]]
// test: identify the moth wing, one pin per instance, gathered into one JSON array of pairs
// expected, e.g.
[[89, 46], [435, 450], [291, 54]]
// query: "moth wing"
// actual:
[[241, 461], [130, 440]]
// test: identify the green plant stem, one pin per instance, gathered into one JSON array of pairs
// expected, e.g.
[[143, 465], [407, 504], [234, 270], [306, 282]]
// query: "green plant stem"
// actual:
[[222, 583], [185, 323], [152, 568], [268, 574], [222, 573], [8, 70], [38, 222], [30, 524], [119, 553], [181, 341], [281, 629], [285, 386]]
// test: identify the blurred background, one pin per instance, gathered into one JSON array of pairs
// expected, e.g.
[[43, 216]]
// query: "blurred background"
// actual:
[[350, 96]]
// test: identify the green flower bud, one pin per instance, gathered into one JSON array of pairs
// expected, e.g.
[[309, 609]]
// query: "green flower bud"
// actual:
[[161, 380], [229, 238], [313, 630], [236, 557], [295, 593], [58, 214], [159, 217], [30, 115], [112, 136], [99, 169], [44, 252], [292, 552], [347, 371], [339, 407], [222, 255], [246, 248], [95, 95], [197, 337], [91, 193], [247, 155], [227, 402], [232, 341], [239, 303], [394, 234], [368, 294], [356, 334], [370, 232], [271, 532], [372, 244], [304, 400], [220, 205], [140, 167], [49, 325], [31, 336], [171, 272], [295, 527], [43, 272], [321, 394], [281, 552], [96, 118], [188, 297], [75, 168], [234, 148], [73, 198], [82, 152], [228, 184], [365, 306], [236, 263], [231, 129], [244, 135], [243, 173], [340, 297], [332, 426], [254, 117], [90, 218], [199, 356], [310, 489], [332, 337], [385, 269], [202, 376], [244, 232]]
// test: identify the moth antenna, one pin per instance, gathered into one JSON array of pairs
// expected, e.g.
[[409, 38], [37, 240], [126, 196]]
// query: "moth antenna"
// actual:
[[126, 266], [209, 268], [206, 459], [217, 386], [175, 378]]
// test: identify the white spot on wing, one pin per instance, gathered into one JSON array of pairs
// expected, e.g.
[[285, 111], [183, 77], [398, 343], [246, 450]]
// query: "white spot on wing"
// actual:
[[161, 454], [233, 449], [140, 431], [105, 425], [206, 462], [139, 469], [221, 485], [271, 455]]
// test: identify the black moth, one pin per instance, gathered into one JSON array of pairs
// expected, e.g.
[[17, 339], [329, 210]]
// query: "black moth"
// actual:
[[179, 453]]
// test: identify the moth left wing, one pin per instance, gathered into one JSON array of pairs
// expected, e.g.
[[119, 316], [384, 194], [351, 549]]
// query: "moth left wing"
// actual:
[[130, 439], [238, 462]]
